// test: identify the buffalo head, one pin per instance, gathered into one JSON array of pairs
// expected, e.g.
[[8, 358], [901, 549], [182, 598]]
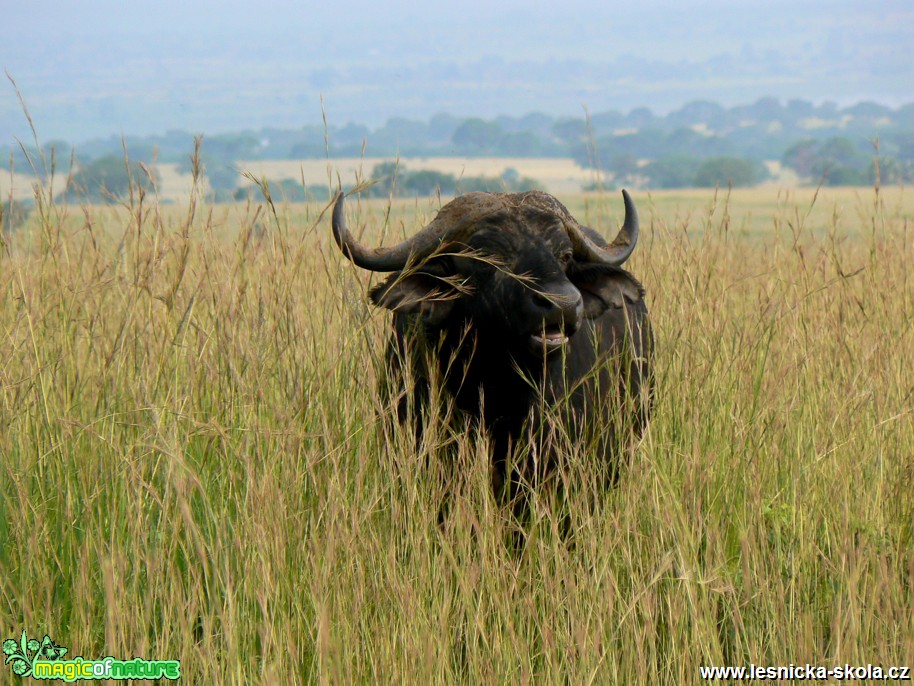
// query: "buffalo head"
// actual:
[[516, 267], [520, 310]]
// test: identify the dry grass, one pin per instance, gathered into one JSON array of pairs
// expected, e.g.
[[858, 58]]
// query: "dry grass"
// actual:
[[194, 466]]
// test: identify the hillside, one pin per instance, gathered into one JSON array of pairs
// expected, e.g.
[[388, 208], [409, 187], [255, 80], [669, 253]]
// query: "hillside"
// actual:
[[700, 144]]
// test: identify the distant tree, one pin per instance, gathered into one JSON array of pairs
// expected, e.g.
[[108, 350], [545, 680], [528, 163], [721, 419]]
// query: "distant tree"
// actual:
[[688, 142], [285, 190], [605, 122], [534, 122], [516, 183], [801, 156], [837, 160], [396, 180], [13, 214], [399, 134], [868, 110], [903, 142], [486, 184], [891, 171], [729, 171], [288, 190], [511, 178], [844, 176], [351, 134], [842, 151], [841, 162], [583, 155], [217, 195], [309, 150], [800, 109], [571, 131], [31, 160], [526, 144], [222, 176], [639, 118], [904, 116], [671, 172], [476, 136], [646, 144], [428, 182], [623, 166], [385, 169], [107, 178], [386, 175], [510, 181], [827, 110], [442, 126], [711, 114], [767, 109], [317, 192], [230, 147]]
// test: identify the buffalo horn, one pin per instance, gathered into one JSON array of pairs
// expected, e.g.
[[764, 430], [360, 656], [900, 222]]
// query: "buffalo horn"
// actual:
[[616, 252], [453, 224]]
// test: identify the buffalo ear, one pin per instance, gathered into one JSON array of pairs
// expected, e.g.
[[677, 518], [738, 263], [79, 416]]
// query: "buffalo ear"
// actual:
[[603, 287], [415, 293]]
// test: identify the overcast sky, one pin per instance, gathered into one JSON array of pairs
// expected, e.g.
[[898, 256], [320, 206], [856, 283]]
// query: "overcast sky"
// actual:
[[100, 67]]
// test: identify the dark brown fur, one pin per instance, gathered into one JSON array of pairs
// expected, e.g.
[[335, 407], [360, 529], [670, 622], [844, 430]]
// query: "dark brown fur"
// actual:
[[484, 312]]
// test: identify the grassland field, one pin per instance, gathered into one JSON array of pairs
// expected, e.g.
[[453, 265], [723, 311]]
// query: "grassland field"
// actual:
[[196, 465]]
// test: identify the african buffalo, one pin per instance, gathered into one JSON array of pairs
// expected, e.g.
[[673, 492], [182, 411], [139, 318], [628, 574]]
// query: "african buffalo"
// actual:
[[528, 321]]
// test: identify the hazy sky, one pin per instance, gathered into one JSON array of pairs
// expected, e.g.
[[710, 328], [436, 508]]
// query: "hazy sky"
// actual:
[[101, 67]]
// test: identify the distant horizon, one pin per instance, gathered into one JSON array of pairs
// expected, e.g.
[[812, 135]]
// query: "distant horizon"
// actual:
[[89, 70], [373, 127]]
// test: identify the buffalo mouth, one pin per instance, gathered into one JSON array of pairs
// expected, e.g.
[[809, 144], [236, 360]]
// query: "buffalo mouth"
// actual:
[[551, 339]]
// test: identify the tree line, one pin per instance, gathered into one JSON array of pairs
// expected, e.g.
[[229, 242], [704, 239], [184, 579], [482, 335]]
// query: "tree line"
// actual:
[[701, 144]]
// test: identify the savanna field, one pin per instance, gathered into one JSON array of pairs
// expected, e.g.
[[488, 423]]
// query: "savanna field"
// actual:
[[196, 464]]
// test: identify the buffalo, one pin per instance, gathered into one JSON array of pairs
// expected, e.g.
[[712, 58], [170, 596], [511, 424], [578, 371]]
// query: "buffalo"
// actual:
[[512, 317]]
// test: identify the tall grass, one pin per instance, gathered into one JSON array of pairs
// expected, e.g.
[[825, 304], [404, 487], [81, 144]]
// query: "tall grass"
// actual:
[[196, 467]]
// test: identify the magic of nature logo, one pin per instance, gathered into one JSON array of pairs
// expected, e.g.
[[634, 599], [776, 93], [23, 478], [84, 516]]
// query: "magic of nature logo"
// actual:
[[44, 659]]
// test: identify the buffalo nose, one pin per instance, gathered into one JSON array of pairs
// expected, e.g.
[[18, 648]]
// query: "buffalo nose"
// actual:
[[572, 312], [562, 307]]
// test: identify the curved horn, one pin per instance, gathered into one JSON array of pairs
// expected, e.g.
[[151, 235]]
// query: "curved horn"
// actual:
[[622, 246], [455, 221]]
